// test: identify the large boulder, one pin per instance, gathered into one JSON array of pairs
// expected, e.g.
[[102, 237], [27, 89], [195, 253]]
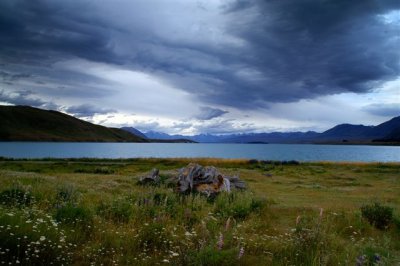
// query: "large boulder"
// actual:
[[196, 178]]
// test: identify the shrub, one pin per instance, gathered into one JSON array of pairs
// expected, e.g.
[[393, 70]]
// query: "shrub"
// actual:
[[66, 194], [74, 215], [373, 255], [212, 256], [97, 170], [16, 196], [152, 237], [377, 215], [396, 221], [119, 211], [238, 205], [103, 170]]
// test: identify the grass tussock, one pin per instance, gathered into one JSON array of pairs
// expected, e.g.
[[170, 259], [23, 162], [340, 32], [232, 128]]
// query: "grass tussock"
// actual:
[[292, 214]]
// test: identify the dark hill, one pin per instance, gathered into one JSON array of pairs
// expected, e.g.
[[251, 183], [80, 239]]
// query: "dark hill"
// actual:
[[385, 132], [388, 128], [349, 132], [393, 136], [24, 123]]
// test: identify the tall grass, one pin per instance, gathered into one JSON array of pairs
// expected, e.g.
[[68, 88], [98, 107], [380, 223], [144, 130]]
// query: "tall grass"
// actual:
[[98, 218]]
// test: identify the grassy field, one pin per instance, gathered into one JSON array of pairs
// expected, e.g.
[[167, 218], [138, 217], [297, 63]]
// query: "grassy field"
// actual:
[[92, 212]]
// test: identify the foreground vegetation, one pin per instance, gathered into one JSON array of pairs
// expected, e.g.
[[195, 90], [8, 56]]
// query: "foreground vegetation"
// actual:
[[84, 212]]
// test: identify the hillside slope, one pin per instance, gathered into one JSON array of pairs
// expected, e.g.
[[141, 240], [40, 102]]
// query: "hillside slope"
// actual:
[[24, 123]]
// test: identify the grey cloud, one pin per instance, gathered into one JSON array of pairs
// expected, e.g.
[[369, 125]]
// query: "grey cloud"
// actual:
[[224, 126], [387, 110], [87, 110], [293, 50], [263, 52], [21, 98], [8, 77], [207, 113]]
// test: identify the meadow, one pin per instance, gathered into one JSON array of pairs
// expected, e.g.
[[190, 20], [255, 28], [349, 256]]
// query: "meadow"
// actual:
[[93, 212]]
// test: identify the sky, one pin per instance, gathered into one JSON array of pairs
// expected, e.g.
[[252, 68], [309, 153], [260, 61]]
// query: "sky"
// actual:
[[204, 66]]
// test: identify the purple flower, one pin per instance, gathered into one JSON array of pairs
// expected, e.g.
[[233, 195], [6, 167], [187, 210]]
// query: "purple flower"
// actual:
[[220, 242], [377, 258], [360, 260], [241, 252]]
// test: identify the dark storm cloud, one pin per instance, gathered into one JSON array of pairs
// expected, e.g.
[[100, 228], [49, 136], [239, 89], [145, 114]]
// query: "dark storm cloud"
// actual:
[[87, 110], [38, 32], [21, 98], [208, 113], [388, 110], [9, 77], [264, 51], [304, 48]]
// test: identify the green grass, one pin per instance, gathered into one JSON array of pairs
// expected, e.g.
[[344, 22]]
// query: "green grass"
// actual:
[[86, 211]]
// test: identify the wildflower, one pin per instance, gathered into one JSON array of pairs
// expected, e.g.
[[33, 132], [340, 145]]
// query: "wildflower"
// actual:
[[220, 242], [165, 260], [360, 260], [377, 258], [228, 224], [187, 213], [298, 220], [42, 238], [241, 252]]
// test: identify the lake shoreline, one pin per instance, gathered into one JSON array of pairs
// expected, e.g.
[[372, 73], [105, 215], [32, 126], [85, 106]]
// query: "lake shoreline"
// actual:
[[186, 160]]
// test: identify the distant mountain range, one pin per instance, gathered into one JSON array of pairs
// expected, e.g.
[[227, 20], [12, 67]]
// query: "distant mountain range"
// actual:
[[387, 132], [24, 123]]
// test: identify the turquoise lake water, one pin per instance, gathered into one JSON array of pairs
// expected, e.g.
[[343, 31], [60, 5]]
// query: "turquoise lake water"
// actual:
[[300, 152]]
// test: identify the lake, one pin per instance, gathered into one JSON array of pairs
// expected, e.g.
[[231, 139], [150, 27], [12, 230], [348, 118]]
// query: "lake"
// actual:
[[299, 152]]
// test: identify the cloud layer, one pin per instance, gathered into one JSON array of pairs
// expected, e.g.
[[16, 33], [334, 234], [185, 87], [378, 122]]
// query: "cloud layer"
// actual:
[[97, 57]]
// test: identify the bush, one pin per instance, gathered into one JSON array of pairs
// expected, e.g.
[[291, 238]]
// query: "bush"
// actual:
[[119, 211], [103, 170], [15, 196], [238, 205], [153, 237], [212, 256], [378, 215], [74, 215], [66, 194], [396, 221]]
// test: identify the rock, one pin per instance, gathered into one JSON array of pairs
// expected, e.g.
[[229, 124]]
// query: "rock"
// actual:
[[237, 183], [196, 178], [206, 180], [152, 179]]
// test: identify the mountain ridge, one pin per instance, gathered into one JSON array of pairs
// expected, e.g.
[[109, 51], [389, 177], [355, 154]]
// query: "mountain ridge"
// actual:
[[388, 131], [25, 123]]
